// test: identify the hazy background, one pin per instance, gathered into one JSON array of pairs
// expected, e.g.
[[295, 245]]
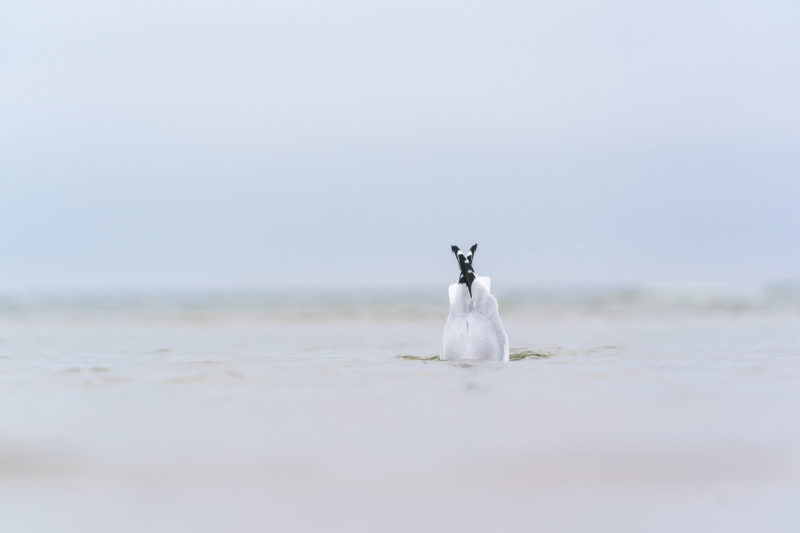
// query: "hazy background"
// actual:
[[218, 144], [178, 179]]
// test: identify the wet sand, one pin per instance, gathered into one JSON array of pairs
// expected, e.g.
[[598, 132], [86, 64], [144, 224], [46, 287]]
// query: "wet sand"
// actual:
[[617, 417]]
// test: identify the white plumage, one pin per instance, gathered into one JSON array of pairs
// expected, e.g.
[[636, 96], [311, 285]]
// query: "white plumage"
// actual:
[[474, 329]]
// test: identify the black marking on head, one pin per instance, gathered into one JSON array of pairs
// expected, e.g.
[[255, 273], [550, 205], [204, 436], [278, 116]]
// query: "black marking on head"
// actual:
[[467, 275]]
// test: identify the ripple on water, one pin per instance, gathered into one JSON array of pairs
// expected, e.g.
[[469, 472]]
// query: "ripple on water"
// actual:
[[516, 355]]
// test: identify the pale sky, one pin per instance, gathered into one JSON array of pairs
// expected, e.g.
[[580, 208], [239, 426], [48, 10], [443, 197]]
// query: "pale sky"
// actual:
[[214, 144]]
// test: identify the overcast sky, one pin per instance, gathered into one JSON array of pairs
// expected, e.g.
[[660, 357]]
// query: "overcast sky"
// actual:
[[203, 144]]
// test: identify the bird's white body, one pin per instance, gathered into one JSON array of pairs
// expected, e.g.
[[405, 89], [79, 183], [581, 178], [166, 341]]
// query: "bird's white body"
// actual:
[[474, 329]]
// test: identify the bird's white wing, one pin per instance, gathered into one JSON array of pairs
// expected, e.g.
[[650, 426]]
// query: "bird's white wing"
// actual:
[[451, 292], [486, 281], [459, 299], [485, 304]]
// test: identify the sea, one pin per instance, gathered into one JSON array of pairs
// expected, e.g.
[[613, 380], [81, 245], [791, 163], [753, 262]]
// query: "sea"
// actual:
[[662, 408]]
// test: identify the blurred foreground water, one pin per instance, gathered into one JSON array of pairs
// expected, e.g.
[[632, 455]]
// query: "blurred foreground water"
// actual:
[[631, 409]]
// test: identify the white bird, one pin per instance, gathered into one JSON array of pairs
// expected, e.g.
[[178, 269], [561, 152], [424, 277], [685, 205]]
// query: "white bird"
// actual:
[[473, 329]]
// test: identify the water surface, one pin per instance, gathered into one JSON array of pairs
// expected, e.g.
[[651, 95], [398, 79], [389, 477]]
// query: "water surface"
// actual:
[[625, 410]]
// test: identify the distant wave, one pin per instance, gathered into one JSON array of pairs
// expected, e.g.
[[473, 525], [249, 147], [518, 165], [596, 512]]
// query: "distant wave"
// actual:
[[299, 305]]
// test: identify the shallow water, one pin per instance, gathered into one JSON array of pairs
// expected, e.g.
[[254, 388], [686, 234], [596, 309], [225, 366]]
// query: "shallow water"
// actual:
[[625, 411]]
